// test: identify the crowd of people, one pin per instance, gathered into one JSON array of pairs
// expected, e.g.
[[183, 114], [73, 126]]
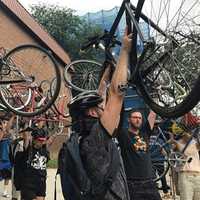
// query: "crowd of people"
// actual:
[[23, 159], [97, 117]]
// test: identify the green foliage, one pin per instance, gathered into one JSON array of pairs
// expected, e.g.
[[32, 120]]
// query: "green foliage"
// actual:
[[52, 164], [68, 29]]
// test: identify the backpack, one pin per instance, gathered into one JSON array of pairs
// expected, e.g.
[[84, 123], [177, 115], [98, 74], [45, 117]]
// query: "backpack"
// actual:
[[74, 180], [75, 183]]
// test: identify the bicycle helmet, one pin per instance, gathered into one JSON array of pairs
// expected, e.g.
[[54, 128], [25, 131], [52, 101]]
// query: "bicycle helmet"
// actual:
[[83, 101], [39, 134]]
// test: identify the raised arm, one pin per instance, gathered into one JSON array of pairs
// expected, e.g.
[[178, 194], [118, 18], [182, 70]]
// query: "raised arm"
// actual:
[[104, 83], [151, 119], [27, 139], [110, 117], [50, 140], [1, 134], [7, 126], [198, 140]]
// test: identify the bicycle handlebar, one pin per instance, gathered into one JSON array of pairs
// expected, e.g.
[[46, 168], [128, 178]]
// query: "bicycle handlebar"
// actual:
[[96, 40], [91, 41]]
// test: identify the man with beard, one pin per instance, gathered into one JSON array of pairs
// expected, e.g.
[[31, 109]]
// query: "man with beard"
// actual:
[[134, 144]]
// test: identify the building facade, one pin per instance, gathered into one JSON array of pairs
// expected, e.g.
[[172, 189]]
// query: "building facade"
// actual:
[[18, 27]]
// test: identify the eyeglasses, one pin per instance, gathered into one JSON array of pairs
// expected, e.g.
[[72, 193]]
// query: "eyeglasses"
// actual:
[[134, 117]]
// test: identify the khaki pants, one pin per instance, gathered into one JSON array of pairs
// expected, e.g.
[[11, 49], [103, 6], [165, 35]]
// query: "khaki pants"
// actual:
[[189, 186]]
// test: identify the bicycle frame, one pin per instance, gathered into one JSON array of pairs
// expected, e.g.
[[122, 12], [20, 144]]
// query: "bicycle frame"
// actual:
[[161, 134], [171, 151], [58, 116], [132, 20], [126, 8]]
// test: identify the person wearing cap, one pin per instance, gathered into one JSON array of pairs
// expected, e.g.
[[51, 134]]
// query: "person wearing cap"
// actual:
[[34, 164], [97, 116]]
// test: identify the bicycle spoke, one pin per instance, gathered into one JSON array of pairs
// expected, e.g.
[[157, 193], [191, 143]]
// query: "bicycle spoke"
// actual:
[[27, 63], [85, 76], [176, 50]]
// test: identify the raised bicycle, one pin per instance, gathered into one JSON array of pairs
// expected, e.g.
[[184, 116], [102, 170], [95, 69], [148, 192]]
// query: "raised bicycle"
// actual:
[[21, 72], [164, 61]]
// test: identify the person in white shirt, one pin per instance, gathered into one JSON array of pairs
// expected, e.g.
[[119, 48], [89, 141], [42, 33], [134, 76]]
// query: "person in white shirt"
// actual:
[[189, 172]]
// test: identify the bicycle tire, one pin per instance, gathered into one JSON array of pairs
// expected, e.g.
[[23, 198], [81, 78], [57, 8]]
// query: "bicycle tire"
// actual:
[[80, 84], [180, 50], [156, 163], [27, 100], [47, 57]]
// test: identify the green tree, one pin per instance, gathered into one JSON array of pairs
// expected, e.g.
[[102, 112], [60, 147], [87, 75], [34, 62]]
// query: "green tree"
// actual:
[[68, 29]]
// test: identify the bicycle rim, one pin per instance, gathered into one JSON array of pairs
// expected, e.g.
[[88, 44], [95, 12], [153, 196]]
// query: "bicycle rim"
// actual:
[[160, 165], [16, 98], [83, 75], [27, 63], [168, 72]]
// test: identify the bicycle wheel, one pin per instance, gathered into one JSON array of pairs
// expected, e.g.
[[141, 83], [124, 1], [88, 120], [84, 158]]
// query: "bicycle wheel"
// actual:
[[27, 64], [160, 163], [82, 75], [170, 54], [19, 97]]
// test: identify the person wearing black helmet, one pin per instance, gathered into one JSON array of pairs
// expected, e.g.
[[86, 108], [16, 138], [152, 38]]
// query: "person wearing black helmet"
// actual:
[[34, 159], [97, 118]]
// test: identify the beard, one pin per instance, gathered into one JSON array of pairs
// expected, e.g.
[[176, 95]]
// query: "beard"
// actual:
[[136, 126]]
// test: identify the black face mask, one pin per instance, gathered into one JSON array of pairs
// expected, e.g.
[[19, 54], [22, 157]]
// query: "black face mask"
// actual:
[[86, 125]]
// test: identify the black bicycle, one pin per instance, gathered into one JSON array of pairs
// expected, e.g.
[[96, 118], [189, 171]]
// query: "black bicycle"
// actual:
[[163, 155], [21, 74], [164, 61]]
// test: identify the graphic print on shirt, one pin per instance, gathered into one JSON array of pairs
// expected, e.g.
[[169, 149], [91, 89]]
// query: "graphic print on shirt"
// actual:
[[138, 143], [39, 162]]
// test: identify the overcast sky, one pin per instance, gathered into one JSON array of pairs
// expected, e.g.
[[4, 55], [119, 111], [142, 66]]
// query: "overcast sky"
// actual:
[[82, 6], [170, 11]]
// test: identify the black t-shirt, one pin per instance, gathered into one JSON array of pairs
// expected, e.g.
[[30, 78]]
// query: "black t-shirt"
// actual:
[[36, 161], [135, 153]]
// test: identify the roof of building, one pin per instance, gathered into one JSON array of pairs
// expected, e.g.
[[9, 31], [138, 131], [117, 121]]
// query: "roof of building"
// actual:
[[25, 17]]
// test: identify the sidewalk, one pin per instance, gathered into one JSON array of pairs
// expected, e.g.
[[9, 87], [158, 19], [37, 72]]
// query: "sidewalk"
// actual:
[[50, 187]]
